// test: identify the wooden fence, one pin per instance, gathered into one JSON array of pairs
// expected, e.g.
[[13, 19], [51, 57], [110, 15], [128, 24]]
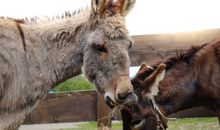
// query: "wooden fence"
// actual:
[[65, 107], [88, 106], [150, 48]]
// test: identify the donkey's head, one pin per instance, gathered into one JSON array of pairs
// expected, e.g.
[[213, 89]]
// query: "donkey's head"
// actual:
[[146, 83], [106, 60]]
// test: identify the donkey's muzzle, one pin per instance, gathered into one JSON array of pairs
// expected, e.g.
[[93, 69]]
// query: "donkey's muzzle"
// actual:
[[131, 98], [127, 98]]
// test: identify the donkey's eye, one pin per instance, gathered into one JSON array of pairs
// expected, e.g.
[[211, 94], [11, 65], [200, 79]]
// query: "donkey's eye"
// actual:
[[100, 48]]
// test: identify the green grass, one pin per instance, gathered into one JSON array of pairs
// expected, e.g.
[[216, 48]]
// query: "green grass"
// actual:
[[194, 124], [93, 126], [178, 124], [73, 84]]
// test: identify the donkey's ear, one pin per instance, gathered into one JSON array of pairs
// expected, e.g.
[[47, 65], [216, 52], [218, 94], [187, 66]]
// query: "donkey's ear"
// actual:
[[151, 83], [141, 69], [143, 66], [98, 6], [121, 6], [127, 7]]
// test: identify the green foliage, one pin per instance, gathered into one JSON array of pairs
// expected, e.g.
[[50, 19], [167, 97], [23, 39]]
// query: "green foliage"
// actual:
[[73, 84]]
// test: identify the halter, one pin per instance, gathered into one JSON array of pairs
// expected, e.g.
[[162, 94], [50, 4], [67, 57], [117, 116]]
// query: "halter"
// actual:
[[158, 114]]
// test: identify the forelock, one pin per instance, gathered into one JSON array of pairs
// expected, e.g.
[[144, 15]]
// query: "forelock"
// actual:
[[114, 27]]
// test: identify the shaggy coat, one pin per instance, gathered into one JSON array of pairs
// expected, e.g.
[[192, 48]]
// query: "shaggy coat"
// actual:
[[36, 56]]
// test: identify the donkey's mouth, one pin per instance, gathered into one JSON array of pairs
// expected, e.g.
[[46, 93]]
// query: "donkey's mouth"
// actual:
[[110, 102], [130, 98]]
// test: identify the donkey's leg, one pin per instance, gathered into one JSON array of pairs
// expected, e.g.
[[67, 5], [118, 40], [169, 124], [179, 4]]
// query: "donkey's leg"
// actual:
[[11, 121], [126, 118]]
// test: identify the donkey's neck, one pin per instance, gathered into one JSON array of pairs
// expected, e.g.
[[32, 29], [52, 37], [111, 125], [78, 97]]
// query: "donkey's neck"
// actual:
[[64, 43], [179, 86]]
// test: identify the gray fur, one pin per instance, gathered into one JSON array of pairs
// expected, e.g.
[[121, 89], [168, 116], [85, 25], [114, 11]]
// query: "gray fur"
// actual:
[[51, 52]]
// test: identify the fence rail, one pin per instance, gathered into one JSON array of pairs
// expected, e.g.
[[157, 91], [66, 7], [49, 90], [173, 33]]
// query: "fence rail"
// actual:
[[150, 48]]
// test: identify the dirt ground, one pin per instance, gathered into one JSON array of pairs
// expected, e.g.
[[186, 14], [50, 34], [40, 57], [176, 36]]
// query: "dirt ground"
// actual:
[[55, 126]]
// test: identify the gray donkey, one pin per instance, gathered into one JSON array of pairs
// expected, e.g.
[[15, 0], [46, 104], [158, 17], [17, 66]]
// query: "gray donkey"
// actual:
[[35, 57]]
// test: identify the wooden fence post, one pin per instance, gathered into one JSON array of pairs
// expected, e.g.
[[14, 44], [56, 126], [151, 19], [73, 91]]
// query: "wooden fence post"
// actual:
[[219, 120], [218, 113], [103, 119]]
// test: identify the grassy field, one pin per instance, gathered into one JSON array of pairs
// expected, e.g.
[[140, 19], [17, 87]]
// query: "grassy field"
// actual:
[[178, 124], [194, 124]]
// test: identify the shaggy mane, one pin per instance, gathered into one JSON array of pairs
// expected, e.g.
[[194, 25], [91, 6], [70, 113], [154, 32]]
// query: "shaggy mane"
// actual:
[[44, 19], [186, 57], [170, 62]]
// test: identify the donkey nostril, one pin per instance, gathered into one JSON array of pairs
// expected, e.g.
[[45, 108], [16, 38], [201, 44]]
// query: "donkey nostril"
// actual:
[[122, 96]]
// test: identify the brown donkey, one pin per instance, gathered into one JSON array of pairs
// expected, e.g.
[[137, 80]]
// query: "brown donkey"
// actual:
[[36, 56], [191, 79]]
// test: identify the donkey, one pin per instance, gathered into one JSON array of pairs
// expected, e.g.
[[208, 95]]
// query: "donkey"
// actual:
[[188, 80], [36, 56]]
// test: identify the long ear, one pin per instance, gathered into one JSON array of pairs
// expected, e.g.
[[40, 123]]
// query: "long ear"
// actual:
[[144, 71], [151, 83], [122, 6], [127, 7], [98, 6], [114, 6], [143, 66], [137, 81]]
